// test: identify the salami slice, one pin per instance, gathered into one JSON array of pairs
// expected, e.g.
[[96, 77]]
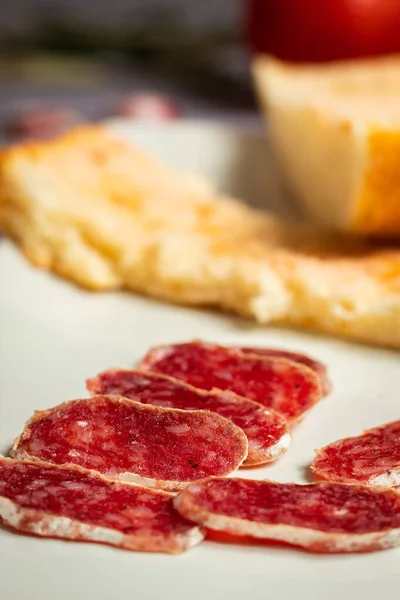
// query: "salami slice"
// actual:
[[266, 430], [302, 359], [320, 517], [77, 504], [372, 458], [125, 440], [285, 386]]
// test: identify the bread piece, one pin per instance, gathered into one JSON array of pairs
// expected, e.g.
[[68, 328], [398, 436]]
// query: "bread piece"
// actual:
[[103, 214], [336, 132]]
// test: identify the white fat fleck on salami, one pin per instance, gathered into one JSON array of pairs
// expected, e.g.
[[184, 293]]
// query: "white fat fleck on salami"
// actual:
[[76, 504], [73, 453], [161, 447], [371, 458], [37, 445], [183, 429], [320, 517], [390, 478], [266, 430]]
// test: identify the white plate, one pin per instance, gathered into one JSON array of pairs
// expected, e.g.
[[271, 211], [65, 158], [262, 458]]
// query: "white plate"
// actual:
[[54, 335]]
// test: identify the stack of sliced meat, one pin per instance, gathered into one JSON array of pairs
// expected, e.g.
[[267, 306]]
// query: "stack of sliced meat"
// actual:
[[280, 381], [106, 468], [266, 431]]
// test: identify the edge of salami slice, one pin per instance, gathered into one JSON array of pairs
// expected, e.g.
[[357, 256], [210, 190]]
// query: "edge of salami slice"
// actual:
[[309, 538], [42, 523], [258, 454], [158, 353], [297, 357], [368, 458], [230, 431]]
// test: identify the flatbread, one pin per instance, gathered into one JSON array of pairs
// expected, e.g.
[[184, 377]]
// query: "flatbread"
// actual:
[[105, 215]]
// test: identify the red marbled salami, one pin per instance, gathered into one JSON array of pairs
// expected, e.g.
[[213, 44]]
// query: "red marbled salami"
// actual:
[[320, 517], [285, 386], [302, 359], [76, 504], [372, 458], [125, 440], [265, 430]]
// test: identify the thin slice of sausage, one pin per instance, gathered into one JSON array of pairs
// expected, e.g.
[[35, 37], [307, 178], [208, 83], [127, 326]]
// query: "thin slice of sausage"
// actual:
[[302, 359], [266, 430], [159, 447], [372, 458], [77, 504], [320, 517], [282, 385]]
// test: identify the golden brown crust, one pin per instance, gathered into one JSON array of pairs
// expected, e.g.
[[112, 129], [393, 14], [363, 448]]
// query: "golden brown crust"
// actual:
[[103, 214], [378, 205]]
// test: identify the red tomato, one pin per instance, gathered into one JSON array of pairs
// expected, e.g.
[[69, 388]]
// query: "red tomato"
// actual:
[[323, 30]]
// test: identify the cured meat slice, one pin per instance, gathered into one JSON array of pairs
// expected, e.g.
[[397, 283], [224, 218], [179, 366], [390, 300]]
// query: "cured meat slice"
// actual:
[[282, 385], [320, 517], [302, 359], [372, 458], [125, 440], [77, 504], [266, 430]]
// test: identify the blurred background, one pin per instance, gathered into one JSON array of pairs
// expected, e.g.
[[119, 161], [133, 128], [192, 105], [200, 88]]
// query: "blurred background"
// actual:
[[68, 60], [88, 55]]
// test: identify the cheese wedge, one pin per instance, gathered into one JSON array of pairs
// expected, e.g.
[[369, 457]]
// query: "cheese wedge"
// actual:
[[336, 131], [102, 213]]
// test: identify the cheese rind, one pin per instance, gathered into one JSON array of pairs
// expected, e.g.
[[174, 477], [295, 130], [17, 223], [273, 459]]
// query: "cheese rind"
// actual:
[[336, 132]]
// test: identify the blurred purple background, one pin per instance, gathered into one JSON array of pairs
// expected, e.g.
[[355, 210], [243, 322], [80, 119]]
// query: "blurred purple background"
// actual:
[[20, 15], [88, 54]]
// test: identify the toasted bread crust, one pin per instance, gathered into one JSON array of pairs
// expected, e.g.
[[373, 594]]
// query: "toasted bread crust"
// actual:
[[99, 212]]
